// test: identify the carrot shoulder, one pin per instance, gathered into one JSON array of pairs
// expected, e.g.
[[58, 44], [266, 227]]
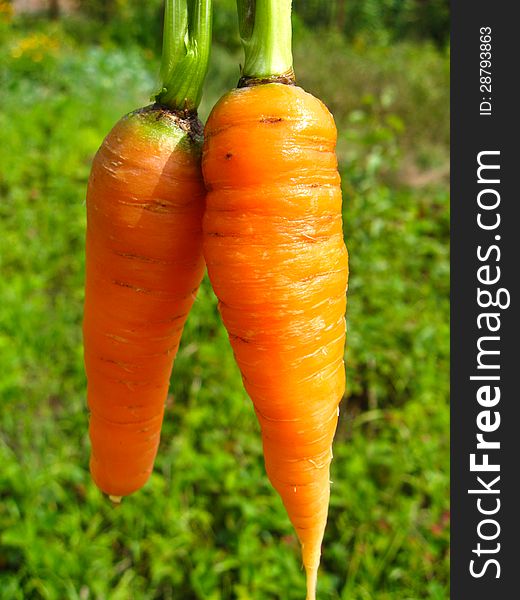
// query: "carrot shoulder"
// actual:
[[144, 263], [273, 244]]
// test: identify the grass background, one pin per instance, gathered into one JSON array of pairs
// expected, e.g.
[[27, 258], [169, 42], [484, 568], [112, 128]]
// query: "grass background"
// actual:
[[208, 525]]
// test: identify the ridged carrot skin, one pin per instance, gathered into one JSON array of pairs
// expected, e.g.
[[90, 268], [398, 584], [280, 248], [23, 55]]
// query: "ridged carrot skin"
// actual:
[[273, 244], [144, 263]]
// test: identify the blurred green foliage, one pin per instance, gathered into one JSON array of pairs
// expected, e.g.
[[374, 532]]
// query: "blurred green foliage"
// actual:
[[380, 19], [208, 525]]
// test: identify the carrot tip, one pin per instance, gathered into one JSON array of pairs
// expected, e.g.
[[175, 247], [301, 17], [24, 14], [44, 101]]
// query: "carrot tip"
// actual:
[[312, 580], [115, 499]]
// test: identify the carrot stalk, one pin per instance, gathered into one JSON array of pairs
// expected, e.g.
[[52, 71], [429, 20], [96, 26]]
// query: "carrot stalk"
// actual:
[[266, 33], [273, 244], [186, 49], [144, 260]]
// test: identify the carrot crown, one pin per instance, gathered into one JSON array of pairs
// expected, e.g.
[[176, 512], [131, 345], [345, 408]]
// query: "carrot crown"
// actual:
[[185, 56], [266, 32]]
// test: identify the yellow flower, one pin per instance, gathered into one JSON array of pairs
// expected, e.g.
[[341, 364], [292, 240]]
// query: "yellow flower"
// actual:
[[35, 47], [6, 11]]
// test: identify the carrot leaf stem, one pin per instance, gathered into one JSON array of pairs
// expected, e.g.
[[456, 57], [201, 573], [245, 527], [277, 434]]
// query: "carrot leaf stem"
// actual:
[[185, 56], [266, 32]]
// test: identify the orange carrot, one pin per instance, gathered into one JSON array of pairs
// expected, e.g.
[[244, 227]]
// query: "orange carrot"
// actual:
[[274, 249], [144, 261]]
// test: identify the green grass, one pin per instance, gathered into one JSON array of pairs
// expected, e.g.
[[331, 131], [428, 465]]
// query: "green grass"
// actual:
[[208, 525]]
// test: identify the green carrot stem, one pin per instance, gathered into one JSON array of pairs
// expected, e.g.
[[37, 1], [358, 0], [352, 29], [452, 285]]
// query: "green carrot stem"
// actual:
[[185, 57], [266, 32]]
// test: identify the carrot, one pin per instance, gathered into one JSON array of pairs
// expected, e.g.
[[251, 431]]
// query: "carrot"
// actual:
[[276, 258], [144, 260]]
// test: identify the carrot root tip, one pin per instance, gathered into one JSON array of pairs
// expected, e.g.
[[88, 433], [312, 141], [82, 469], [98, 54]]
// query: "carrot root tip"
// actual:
[[312, 581]]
